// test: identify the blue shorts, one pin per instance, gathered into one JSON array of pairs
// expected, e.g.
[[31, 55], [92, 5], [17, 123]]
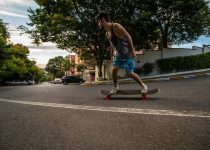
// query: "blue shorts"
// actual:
[[126, 63]]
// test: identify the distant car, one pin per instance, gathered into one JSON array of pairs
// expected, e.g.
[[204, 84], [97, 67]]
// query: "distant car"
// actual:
[[72, 79], [57, 81], [51, 81], [24, 83], [16, 82], [31, 82]]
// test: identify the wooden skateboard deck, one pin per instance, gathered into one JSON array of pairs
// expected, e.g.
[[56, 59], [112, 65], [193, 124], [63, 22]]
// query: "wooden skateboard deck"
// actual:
[[129, 92]]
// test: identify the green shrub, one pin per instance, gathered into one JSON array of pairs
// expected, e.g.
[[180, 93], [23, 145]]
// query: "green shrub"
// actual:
[[185, 63], [145, 69], [138, 70]]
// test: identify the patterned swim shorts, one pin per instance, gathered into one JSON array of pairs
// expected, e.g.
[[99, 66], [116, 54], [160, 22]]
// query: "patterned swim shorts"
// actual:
[[126, 63]]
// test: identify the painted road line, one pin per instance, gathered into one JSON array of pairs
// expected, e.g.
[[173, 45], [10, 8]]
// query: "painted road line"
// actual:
[[196, 114]]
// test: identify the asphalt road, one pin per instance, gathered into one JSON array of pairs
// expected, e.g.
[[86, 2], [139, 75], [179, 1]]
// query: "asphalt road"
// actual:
[[74, 117]]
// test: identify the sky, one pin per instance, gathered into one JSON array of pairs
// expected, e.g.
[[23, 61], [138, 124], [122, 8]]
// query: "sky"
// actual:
[[14, 12]]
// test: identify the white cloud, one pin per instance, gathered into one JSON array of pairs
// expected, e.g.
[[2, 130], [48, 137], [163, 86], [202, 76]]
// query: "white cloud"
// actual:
[[16, 8], [7, 13], [37, 50], [41, 54], [17, 38], [8, 3]]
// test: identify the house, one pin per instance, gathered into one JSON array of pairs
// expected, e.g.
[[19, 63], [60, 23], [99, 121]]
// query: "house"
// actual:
[[74, 58], [88, 75]]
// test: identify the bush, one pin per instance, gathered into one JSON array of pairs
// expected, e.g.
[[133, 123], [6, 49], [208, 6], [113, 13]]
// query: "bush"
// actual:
[[138, 70], [184, 63], [145, 69]]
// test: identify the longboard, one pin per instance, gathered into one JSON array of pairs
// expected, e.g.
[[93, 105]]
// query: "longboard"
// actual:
[[129, 92]]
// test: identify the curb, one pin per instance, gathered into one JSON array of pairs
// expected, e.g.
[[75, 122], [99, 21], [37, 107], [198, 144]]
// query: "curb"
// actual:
[[165, 77]]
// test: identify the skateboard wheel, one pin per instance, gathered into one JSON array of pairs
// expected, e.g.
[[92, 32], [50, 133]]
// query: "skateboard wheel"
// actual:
[[108, 97], [144, 96]]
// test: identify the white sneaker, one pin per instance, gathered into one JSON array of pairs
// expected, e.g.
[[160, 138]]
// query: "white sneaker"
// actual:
[[145, 89], [114, 90]]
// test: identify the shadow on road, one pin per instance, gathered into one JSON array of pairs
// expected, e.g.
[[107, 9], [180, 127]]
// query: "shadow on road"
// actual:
[[132, 98]]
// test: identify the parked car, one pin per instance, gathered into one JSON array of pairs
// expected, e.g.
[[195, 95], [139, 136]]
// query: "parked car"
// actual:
[[72, 79], [31, 82], [16, 82], [57, 81], [52, 81]]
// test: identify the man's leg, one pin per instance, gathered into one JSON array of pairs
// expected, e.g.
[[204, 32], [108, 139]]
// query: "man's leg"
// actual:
[[115, 76], [116, 66], [130, 65], [136, 78]]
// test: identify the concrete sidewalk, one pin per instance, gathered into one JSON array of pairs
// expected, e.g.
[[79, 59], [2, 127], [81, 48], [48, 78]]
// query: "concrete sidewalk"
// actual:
[[162, 77]]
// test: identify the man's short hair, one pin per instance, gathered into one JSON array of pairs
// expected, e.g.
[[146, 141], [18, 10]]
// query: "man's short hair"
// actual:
[[101, 15]]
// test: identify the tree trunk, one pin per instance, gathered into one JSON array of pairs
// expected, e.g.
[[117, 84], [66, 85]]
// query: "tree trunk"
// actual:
[[164, 41]]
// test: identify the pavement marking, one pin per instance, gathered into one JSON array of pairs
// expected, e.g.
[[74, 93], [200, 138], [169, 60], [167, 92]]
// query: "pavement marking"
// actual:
[[196, 114]]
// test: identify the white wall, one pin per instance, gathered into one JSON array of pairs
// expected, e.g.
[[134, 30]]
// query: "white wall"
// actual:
[[153, 56]]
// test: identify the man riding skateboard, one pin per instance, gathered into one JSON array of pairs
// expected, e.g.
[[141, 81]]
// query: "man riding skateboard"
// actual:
[[124, 56]]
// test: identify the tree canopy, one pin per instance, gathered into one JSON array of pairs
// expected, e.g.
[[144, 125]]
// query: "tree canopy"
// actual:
[[70, 23], [178, 21], [14, 63], [58, 65]]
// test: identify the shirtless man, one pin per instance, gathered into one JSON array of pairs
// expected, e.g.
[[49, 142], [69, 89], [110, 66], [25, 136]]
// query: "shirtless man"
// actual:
[[122, 44]]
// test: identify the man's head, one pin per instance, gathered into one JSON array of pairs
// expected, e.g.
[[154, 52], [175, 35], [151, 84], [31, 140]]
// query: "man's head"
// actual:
[[101, 18]]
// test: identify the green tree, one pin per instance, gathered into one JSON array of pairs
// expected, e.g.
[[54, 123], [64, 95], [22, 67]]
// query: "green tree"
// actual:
[[4, 35], [3, 30], [177, 21], [20, 51], [55, 66], [14, 63], [70, 23], [81, 68], [13, 68], [67, 65]]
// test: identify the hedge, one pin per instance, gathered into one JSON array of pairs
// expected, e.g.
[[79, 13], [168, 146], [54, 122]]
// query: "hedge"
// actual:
[[185, 63]]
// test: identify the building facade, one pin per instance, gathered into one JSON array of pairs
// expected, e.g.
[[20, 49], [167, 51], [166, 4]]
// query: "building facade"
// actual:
[[74, 59]]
